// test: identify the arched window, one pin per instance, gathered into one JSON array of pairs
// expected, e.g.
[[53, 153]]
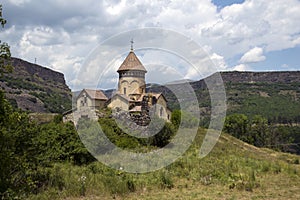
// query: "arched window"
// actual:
[[161, 112], [84, 99]]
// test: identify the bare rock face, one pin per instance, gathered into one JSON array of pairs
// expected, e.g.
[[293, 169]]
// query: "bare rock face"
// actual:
[[34, 88], [262, 77]]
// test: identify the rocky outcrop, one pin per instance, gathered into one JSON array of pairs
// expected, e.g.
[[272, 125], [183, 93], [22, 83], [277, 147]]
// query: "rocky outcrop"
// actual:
[[263, 77], [37, 73], [35, 88]]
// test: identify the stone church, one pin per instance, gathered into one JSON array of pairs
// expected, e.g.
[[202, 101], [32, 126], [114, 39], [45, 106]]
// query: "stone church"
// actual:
[[130, 96]]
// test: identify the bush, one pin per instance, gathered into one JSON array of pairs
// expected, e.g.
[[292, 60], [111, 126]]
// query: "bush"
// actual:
[[162, 138], [166, 181]]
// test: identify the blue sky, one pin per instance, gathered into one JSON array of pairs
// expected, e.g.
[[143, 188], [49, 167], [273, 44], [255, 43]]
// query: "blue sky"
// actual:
[[244, 35], [223, 3], [287, 59]]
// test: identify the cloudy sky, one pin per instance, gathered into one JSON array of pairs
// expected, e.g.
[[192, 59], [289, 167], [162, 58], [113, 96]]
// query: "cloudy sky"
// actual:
[[256, 35]]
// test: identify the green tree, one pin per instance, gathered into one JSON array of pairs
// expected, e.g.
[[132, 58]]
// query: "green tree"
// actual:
[[58, 142], [237, 125], [163, 136], [176, 118], [259, 131], [183, 118], [5, 63], [17, 156]]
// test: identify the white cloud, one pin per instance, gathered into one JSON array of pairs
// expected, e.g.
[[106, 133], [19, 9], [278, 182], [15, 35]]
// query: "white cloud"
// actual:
[[61, 34], [253, 55], [19, 2], [116, 9], [271, 24], [219, 61], [241, 67]]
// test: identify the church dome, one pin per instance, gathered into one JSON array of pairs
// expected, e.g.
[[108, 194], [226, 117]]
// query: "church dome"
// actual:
[[132, 62]]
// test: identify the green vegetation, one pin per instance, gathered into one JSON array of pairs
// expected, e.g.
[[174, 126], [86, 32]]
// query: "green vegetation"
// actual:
[[18, 83], [183, 119], [278, 103], [262, 114], [119, 137], [258, 132], [5, 65], [53, 102], [28, 150], [48, 161]]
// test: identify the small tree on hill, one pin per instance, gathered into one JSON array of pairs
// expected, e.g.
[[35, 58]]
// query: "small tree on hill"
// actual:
[[5, 65]]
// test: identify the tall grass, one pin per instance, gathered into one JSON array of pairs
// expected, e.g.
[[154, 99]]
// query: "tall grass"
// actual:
[[230, 164]]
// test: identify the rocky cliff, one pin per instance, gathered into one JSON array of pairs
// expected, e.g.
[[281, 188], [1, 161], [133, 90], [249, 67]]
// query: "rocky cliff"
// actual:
[[261, 77], [34, 88]]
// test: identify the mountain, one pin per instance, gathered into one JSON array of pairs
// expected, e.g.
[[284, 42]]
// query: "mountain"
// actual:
[[34, 88], [274, 95]]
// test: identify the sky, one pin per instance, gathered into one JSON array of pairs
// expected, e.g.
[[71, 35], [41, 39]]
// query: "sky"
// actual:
[[243, 35]]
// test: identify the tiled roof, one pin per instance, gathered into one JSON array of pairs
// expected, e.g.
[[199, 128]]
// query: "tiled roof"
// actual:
[[96, 94], [132, 62]]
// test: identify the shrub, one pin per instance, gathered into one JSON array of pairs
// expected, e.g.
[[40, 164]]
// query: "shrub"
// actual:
[[166, 180]]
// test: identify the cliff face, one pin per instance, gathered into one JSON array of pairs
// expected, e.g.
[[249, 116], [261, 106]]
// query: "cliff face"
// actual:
[[34, 88], [261, 77], [37, 73], [235, 77]]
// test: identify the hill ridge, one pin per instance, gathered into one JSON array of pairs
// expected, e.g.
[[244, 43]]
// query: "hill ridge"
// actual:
[[35, 88]]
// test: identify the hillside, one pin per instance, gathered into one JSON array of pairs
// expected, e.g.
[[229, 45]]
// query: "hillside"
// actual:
[[49, 161], [34, 88], [233, 170], [274, 95]]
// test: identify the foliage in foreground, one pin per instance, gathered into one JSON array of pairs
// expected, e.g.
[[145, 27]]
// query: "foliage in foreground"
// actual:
[[26, 147], [31, 153], [48, 161], [5, 65], [227, 165]]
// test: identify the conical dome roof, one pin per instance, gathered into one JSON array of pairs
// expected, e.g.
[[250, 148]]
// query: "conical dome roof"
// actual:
[[131, 62]]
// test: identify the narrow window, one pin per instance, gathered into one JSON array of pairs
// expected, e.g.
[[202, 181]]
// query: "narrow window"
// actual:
[[161, 111], [84, 99], [124, 90]]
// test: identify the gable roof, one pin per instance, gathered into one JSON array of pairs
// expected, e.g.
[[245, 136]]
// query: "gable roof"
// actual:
[[94, 94], [122, 96], [156, 95], [131, 62]]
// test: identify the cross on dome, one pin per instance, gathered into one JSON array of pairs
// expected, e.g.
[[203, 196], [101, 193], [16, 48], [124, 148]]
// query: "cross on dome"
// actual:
[[131, 41]]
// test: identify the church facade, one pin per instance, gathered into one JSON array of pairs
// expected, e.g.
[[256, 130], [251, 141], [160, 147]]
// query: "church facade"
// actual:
[[130, 96]]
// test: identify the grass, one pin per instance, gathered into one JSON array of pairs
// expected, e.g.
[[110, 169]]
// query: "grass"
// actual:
[[233, 170]]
